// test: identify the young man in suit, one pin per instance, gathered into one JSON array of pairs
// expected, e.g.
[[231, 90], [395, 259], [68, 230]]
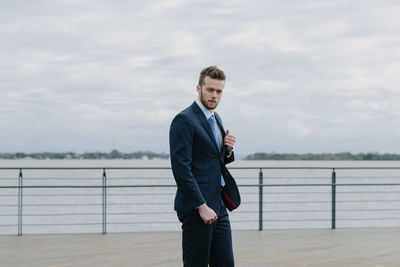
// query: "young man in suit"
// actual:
[[199, 150]]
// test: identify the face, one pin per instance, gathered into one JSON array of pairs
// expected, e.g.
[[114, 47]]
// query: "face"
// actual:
[[210, 92]]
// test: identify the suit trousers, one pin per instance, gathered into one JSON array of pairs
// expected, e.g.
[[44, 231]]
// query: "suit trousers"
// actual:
[[204, 244]]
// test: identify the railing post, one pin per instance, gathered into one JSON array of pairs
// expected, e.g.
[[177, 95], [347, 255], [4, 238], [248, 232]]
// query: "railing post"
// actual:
[[333, 199], [260, 200], [20, 183], [104, 202]]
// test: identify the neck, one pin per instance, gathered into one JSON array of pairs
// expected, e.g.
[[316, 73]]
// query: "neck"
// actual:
[[210, 110]]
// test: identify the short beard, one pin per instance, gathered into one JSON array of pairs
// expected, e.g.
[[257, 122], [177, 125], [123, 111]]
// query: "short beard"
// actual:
[[204, 101]]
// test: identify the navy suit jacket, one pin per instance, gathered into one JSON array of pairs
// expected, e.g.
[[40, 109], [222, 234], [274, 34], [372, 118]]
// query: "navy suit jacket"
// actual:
[[196, 162]]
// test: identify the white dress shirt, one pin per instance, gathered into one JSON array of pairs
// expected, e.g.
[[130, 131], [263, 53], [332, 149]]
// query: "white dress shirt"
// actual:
[[208, 113]]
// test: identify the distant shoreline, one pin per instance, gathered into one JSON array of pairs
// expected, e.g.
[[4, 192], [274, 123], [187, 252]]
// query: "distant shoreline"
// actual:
[[323, 156], [145, 155], [114, 154]]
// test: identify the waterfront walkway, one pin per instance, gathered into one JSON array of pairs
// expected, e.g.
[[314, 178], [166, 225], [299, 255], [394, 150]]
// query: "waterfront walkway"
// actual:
[[322, 247]]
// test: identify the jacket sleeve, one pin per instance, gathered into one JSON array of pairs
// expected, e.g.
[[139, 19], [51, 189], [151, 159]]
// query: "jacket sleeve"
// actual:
[[181, 139], [229, 158]]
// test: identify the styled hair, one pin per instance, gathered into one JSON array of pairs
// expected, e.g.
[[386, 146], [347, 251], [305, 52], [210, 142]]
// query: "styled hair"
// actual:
[[213, 72]]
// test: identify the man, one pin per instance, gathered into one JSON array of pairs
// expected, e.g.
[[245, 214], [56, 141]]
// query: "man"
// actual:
[[199, 149]]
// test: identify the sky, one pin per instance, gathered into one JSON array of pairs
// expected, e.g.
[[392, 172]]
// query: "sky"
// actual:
[[302, 76]]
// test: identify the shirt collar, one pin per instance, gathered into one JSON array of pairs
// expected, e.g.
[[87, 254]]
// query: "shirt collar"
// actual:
[[207, 113]]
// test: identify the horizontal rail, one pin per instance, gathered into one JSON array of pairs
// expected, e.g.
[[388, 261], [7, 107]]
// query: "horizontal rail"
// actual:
[[173, 193], [231, 168], [84, 186], [152, 186]]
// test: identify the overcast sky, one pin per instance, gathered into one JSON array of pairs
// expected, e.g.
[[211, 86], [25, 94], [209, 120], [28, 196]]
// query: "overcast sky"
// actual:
[[302, 76]]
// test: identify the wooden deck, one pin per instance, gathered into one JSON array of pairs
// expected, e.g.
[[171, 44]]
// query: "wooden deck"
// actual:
[[323, 247]]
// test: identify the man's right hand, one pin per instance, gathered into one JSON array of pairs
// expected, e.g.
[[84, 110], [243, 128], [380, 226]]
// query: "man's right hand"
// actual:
[[207, 214]]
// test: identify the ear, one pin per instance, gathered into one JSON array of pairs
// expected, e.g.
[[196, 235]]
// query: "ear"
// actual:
[[198, 88]]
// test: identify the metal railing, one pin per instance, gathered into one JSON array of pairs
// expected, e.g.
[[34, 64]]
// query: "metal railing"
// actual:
[[285, 180]]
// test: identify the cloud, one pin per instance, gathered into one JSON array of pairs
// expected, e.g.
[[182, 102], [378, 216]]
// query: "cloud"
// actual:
[[303, 76]]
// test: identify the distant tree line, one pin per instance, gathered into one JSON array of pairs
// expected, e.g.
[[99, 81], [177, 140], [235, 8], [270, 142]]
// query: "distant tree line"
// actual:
[[114, 154], [324, 156]]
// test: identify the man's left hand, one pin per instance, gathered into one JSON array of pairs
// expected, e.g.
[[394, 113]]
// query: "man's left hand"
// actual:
[[229, 141]]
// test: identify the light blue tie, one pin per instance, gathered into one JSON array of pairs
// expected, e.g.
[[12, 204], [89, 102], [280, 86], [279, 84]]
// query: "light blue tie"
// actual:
[[214, 127]]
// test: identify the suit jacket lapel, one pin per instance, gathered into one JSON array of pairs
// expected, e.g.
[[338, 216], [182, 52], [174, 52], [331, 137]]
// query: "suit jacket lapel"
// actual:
[[205, 123], [219, 122]]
